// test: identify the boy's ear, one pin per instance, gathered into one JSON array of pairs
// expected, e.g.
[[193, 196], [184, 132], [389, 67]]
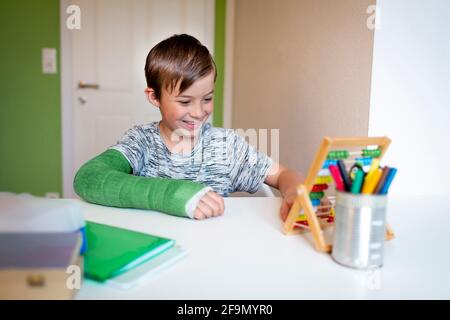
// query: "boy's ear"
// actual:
[[151, 96]]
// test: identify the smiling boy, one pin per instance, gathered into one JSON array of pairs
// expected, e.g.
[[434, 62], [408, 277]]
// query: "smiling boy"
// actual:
[[181, 164]]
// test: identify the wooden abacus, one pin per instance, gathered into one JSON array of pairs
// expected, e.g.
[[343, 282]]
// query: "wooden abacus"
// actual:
[[307, 211]]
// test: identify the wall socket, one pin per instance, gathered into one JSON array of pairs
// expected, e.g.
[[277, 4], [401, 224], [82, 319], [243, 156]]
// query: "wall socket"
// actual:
[[49, 60]]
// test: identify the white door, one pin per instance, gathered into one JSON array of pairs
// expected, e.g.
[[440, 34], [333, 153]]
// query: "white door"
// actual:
[[108, 57]]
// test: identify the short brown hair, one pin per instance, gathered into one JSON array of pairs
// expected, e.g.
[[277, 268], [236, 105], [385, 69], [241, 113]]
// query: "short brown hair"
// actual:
[[178, 58]]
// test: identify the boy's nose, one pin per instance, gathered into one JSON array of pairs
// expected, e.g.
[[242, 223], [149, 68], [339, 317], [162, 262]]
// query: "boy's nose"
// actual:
[[197, 111]]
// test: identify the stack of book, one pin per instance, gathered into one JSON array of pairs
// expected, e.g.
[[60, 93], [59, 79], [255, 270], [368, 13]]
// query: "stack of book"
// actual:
[[40, 245], [46, 248], [124, 258], [40, 265]]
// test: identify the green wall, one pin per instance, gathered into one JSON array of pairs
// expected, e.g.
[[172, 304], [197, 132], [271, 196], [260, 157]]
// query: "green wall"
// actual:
[[30, 104], [30, 125]]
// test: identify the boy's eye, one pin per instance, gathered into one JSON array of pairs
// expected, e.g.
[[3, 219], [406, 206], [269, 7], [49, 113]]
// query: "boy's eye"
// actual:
[[208, 99], [185, 103]]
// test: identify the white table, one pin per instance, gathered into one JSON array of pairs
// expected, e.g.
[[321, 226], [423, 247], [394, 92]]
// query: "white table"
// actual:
[[244, 255]]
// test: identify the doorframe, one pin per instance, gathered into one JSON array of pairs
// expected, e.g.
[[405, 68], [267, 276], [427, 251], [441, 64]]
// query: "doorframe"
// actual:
[[229, 64], [66, 102]]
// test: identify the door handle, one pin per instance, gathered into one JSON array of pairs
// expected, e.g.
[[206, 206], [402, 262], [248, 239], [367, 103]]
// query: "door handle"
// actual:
[[83, 85]]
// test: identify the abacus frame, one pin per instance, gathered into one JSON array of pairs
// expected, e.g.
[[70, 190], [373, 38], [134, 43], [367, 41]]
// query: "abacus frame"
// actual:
[[303, 200]]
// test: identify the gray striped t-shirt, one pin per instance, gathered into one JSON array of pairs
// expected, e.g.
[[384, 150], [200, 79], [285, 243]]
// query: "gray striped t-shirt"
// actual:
[[221, 159]]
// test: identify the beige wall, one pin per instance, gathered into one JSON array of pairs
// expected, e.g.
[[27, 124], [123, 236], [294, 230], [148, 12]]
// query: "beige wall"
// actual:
[[303, 66]]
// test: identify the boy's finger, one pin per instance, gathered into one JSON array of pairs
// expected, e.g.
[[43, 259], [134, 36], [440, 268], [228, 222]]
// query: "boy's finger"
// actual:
[[290, 200], [222, 205], [284, 210], [198, 214], [211, 202], [212, 198], [218, 199], [206, 209]]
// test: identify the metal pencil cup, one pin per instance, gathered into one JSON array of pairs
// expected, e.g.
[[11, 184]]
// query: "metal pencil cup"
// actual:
[[360, 224]]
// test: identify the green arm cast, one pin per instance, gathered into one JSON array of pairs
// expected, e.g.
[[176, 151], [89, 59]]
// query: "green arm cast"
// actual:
[[107, 180]]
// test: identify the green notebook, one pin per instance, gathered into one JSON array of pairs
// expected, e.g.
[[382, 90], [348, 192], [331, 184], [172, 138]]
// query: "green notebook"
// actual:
[[112, 251]]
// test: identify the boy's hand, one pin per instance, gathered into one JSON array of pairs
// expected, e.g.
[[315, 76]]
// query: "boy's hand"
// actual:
[[286, 205], [210, 205]]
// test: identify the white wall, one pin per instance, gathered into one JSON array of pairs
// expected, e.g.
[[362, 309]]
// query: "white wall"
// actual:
[[410, 97]]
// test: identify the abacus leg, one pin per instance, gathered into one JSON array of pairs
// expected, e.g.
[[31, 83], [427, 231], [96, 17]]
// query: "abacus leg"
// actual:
[[389, 233], [313, 222]]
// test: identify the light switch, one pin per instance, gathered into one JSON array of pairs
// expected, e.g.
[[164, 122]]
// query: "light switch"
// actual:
[[49, 60]]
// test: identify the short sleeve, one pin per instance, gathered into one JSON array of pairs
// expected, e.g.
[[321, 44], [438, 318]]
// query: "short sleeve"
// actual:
[[133, 146], [249, 166]]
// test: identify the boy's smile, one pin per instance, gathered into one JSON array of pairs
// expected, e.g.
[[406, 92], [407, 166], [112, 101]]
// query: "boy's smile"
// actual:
[[183, 114]]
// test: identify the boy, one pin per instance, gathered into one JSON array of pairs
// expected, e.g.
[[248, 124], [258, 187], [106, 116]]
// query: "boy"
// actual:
[[181, 165]]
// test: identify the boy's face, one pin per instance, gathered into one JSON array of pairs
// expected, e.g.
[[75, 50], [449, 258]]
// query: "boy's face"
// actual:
[[183, 114]]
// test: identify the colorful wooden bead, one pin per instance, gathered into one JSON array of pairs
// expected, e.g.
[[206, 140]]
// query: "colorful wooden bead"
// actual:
[[322, 180], [319, 187], [364, 161], [316, 195], [375, 153], [338, 154], [327, 163]]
